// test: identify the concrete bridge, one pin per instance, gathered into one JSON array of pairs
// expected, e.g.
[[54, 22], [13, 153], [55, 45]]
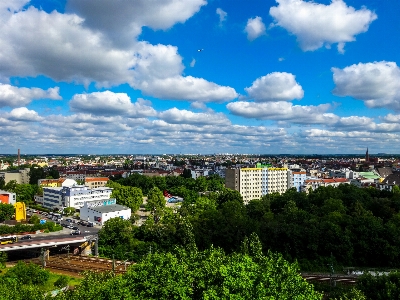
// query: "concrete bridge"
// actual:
[[48, 242]]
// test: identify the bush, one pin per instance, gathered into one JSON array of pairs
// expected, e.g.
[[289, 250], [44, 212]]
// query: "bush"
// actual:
[[28, 273], [34, 219], [61, 282]]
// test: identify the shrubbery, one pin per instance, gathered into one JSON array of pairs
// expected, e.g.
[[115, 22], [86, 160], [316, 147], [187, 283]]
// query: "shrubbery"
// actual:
[[21, 228]]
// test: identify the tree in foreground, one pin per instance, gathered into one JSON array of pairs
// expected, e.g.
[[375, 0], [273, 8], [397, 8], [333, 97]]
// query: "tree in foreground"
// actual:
[[209, 274]]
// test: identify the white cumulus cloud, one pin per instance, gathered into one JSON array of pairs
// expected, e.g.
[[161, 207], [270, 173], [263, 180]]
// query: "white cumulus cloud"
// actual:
[[254, 28], [122, 21], [177, 116], [110, 103], [13, 96], [316, 25], [276, 86], [189, 89], [24, 114], [71, 51], [284, 111], [377, 83]]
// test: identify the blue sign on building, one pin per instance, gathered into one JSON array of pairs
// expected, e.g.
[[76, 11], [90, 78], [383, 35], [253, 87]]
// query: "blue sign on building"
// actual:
[[109, 202]]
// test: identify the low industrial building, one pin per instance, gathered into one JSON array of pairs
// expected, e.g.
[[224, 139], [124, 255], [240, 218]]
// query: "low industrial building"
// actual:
[[7, 197], [99, 212]]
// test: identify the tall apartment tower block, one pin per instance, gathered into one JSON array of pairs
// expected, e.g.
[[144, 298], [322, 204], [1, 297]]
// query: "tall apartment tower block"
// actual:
[[253, 183]]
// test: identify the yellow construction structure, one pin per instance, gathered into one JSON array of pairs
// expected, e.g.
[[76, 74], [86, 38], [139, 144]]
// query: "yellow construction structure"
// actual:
[[20, 211]]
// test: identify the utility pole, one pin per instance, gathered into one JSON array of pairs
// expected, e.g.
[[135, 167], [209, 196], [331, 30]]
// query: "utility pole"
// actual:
[[43, 257], [96, 246], [113, 264]]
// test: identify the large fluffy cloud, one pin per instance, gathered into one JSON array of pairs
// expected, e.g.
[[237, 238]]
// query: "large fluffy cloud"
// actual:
[[276, 86], [283, 111], [110, 103], [254, 28], [316, 25], [13, 96], [122, 21], [70, 50], [377, 84]]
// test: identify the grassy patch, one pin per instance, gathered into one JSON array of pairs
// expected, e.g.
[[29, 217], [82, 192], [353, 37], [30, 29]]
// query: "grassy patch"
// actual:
[[49, 285]]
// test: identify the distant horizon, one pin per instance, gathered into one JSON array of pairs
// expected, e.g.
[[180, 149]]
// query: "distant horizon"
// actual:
[[188, 154]]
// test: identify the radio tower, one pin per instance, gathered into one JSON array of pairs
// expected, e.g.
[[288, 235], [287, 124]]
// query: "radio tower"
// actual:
[[19, 157]]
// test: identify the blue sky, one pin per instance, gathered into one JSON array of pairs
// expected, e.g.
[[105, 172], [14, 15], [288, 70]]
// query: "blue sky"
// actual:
[[284, 76]]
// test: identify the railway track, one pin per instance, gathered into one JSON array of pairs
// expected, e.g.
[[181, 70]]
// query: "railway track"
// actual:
[[79, 264], [343, 279]]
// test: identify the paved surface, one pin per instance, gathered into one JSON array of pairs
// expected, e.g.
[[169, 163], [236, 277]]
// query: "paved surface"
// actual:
[[49, 242]]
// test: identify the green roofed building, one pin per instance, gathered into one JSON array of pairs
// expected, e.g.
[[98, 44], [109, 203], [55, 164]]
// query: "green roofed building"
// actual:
[[369, 175], [260, 165]]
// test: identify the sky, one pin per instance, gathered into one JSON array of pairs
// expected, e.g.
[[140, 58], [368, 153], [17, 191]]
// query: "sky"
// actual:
[[199, 76]]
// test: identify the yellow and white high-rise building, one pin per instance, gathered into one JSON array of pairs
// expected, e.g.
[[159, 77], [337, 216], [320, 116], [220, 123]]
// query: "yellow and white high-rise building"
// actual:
[[253, 183]]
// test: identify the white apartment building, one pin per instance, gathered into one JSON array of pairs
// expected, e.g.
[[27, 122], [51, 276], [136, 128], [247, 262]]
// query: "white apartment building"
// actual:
[[253, 183], [250, 184], [75, 196], [275, 180], [298, 179]]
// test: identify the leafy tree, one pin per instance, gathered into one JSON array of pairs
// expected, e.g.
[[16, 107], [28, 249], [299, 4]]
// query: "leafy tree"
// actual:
[[353, 294], [26, 192], [131, 197], [28, 273], [6, 211], [229, 195], [116, 237], [35, 174], [34, 219], [11, 289], [187, 173], [201, 184], [155, 200], [213, 275], [53, 172], [2, 183], [11, 186], [69, 211], [380, 287]]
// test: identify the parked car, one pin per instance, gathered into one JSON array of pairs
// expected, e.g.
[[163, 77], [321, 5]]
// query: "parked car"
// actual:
[[90, 224], [75, 228], [70, 226], [68, 220], [25, 237], [75, 232]]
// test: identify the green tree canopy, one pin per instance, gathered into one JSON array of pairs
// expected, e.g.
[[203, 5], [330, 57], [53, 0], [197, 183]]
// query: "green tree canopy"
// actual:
[[155, 200], [129, 196], [6, 211]]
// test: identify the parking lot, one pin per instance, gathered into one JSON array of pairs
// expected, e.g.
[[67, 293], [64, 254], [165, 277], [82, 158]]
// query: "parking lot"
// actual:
[[70, 224]]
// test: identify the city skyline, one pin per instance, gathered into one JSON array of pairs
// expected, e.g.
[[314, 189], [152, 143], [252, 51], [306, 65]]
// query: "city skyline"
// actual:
[[197, 76]]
